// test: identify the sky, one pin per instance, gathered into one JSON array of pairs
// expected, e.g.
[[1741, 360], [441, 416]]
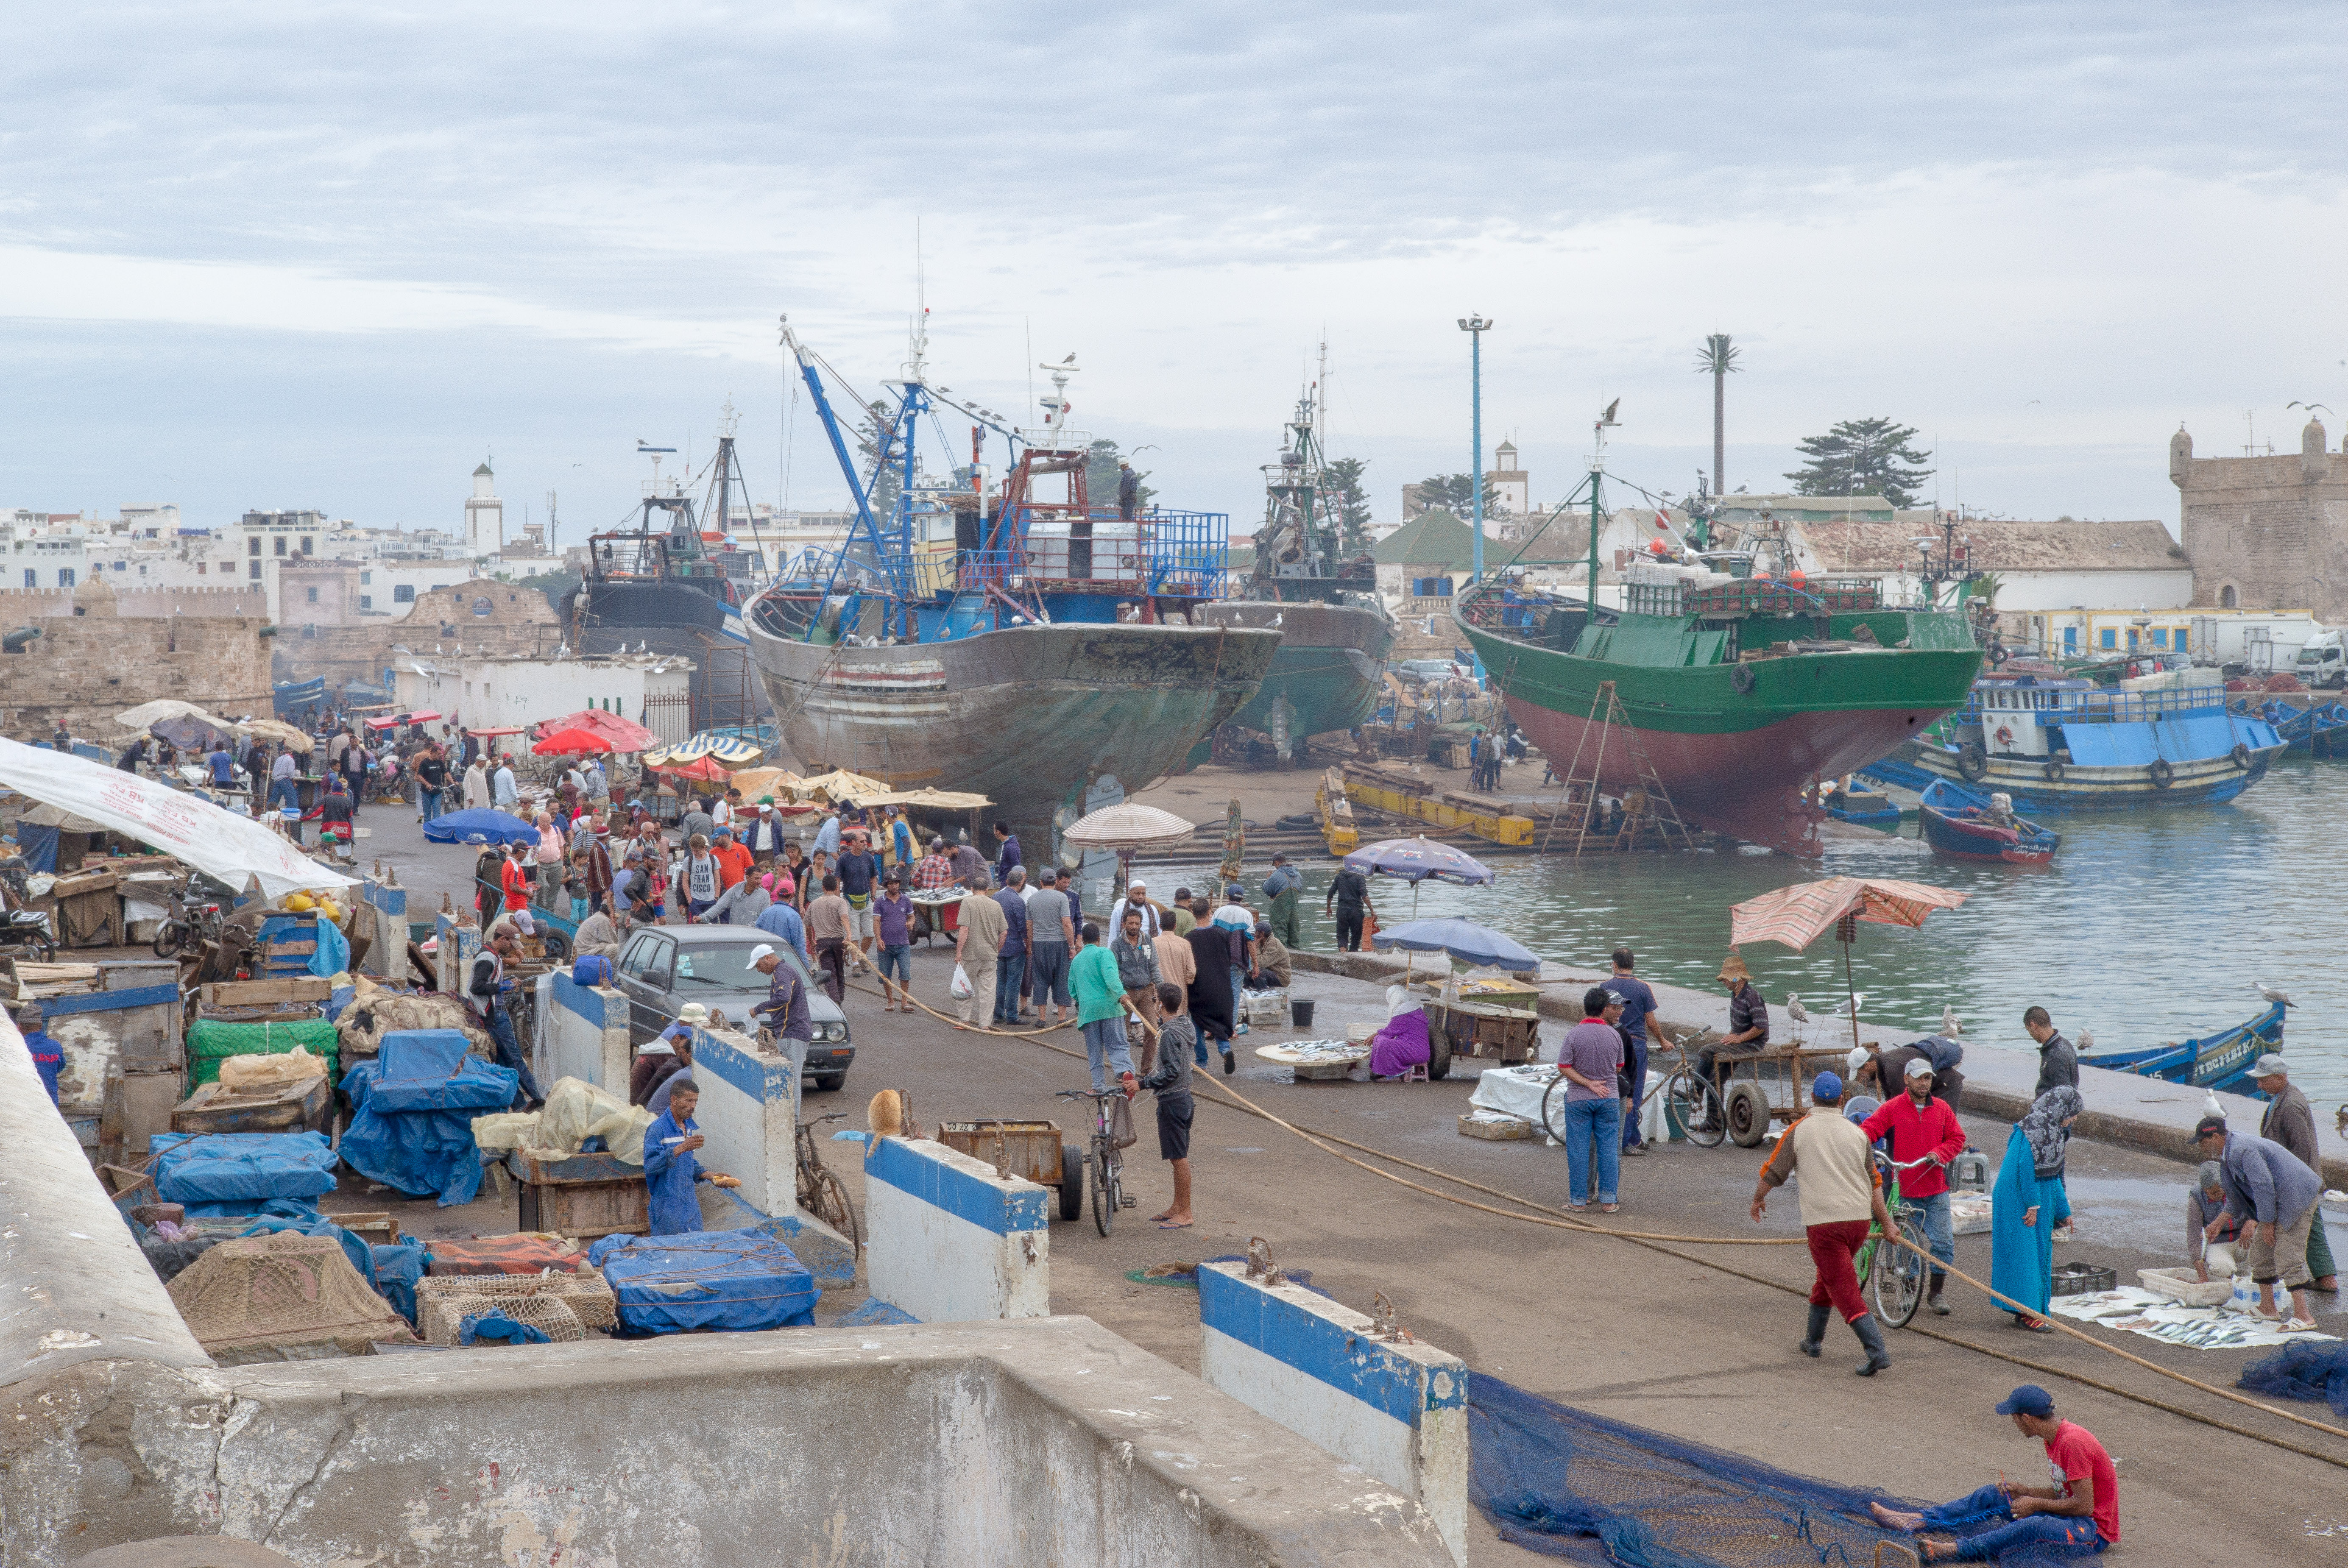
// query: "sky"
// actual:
[[333, 255]]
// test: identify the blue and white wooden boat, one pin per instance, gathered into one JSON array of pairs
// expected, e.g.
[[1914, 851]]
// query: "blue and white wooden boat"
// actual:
[[2220, 1061], [2055, 743], [1957, 826]]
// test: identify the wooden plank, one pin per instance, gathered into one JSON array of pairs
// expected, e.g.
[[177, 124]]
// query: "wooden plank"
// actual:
[[290, 949], [256, 993]]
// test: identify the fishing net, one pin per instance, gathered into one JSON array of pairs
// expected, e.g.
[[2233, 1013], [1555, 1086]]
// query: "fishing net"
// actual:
[[453, 1317], [1565, 1484], [442, 1303], [210, 1042], [2302, 1370], [282, 1297]]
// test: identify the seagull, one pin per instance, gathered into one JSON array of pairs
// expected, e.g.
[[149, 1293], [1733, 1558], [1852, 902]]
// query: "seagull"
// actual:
[[2086, 1039], [1951, 1025], [1070, 360], [2271, 994], [1793, 1008], [1850, 1005]]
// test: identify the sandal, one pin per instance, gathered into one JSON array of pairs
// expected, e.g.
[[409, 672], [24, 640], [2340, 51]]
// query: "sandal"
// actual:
[[2294, 1325], [1609, 1208]]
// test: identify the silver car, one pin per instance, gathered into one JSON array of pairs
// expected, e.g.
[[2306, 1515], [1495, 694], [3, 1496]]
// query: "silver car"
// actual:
[[664, 967]]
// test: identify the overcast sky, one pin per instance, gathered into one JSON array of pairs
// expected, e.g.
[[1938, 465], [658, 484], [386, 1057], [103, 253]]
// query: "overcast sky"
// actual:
[[330, 255]]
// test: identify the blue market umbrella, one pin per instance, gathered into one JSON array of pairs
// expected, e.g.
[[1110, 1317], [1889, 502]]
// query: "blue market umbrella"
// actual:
[[1463, 939], [482, 824], [1417, 859]]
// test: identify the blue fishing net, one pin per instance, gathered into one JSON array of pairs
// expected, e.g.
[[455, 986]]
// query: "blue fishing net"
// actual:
[[2302, 1370], [1564, 1483]]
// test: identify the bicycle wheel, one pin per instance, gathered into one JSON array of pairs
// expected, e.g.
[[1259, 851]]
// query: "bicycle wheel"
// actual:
[[832, 1207], [1695, 1104], [1553, 1109], [171, 936], [1104, 1191], [1898, 1277]]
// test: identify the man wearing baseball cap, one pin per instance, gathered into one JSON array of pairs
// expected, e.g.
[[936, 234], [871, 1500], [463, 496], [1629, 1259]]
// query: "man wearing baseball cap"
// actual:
[[1925, 1129], [786, 1007], [1839, 1194], [2290, 1120], [2080, 1512]]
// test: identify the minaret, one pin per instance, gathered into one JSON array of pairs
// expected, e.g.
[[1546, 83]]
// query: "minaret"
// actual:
[[485, 515]]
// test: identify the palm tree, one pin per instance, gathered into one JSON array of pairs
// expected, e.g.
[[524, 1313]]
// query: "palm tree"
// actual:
[[1717, 358]]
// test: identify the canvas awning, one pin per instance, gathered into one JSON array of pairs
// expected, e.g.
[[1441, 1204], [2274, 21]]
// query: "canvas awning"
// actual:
[[163, 708], [841, 784], [233, 850]]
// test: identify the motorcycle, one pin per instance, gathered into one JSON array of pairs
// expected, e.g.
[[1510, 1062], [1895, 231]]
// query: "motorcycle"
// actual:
[[195, 921], [28, 928]]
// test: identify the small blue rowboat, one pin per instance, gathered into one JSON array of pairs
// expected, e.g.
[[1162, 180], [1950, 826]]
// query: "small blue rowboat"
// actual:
[[2220, 1061], [1957, 826]]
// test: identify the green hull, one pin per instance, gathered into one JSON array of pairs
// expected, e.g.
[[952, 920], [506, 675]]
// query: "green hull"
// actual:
[[1326, 673], [1735, 761]]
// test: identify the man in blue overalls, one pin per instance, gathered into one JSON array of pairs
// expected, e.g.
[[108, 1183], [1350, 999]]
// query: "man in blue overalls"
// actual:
[[48, 1056], [670, 1166]]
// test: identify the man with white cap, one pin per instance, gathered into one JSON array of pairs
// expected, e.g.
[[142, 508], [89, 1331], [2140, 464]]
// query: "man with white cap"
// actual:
[[1922, 1127], [1136, 898], [785, 1010], [667, 1053], [2290, 1120]]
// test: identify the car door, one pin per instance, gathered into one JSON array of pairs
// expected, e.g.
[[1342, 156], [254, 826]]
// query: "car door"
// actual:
[[643, 975]]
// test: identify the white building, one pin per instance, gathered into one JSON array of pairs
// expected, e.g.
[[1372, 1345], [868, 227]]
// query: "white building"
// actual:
[[2039, 566], [482, 693], [485, 515]]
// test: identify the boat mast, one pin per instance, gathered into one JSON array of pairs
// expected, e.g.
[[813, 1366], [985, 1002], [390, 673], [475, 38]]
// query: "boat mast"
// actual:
[[1605, 422]]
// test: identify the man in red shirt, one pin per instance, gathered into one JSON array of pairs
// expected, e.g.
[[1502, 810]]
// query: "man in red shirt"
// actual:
[[1923, 1128], [2080, 1511], [734, 860]]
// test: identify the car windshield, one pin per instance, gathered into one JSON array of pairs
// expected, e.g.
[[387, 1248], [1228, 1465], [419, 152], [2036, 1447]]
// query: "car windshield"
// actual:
[[727, 966]]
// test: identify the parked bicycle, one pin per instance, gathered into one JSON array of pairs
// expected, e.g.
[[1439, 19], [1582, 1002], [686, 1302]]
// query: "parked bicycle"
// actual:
[[1112, 1134], [822, 1194], [194, 921], [1692, 1103], [1895, 1274]]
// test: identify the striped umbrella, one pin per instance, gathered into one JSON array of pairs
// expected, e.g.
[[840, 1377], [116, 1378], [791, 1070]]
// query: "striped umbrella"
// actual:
[[1797, 915]]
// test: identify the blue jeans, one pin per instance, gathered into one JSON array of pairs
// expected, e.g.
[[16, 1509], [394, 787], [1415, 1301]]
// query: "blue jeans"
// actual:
[[1638, 1091], [1010, 979], [1593, 1125], [1106, 1048], [2039, 1529], [1940, 1230], [427, 803], [283, 792], [898, 961], [1239, 999], [501, 1035]]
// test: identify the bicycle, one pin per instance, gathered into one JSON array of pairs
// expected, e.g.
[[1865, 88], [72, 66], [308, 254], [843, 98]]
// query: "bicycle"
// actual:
[[1107, 1156], [1693, 1101], [1895, 1274], [821, 1192], [193, 921]]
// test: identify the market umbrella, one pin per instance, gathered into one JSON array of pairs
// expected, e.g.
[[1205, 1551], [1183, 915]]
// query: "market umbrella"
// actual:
[[624, 735], [727, 749], [1126, 828], [840, 784], [570, 742], [292, 737], [189, 733], [1416, 860], [704, 768], [1463, 939], [1797, 915], [147, 715], [482, 824]]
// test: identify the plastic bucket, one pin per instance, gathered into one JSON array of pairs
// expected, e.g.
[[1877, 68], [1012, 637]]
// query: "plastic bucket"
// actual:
[[1300, 1011], [1674, 1126]]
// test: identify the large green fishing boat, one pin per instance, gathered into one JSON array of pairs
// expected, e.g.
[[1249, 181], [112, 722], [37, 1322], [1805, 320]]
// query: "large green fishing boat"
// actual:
[[1742, 683]]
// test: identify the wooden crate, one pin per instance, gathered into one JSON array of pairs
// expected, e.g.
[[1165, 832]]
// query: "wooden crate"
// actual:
[[305, 1107], [266, 993], [1030, 1150], [582, 1197], [1507, 1035]]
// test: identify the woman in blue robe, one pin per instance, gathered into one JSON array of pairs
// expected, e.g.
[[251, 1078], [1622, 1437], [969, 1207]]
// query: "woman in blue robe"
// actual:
[[2027, 1205]]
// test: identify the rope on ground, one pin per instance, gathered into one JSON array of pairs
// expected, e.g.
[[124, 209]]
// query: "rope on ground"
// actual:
[[1656, 1242]]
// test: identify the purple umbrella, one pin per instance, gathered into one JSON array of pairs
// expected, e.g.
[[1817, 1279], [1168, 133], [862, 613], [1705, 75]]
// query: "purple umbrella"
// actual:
[[1415, 860]]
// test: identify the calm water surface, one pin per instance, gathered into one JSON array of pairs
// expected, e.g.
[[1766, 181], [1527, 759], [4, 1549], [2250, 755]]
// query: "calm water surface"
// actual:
[[2149, 926]]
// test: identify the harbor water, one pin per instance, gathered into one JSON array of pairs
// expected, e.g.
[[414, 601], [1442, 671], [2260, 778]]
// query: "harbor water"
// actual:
[[2149, 926]]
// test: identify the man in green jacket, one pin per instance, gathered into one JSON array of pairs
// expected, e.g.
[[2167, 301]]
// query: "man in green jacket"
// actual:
[[1283, 888], [1101, 1007]]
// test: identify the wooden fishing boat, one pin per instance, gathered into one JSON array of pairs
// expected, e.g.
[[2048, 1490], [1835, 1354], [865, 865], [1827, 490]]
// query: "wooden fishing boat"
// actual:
[[1957, 826], [2220, 1061]]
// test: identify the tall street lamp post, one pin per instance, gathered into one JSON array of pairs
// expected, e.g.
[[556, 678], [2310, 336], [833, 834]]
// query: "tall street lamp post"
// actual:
[[1476, 327]]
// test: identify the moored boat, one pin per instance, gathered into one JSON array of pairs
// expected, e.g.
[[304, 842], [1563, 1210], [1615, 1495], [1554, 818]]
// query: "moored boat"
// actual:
[[2220, 1061], [2054, 743], [1963, 823]]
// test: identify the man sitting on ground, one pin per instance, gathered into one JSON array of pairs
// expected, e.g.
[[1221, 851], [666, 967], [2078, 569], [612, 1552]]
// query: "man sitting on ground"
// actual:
[[2079, 1513]]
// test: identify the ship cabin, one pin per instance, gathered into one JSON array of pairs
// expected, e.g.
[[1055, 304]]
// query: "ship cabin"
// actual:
[[2024, 716], [666, 546]]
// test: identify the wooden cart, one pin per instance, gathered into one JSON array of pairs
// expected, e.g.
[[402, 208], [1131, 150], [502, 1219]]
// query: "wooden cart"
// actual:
[[582, 1197], [1030, 1150], [1497, 1029], [1771, 1084]]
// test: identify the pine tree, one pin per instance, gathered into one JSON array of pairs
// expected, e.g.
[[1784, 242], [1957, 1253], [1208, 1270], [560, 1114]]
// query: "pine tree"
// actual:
[[1862, 457], [1350, 503]]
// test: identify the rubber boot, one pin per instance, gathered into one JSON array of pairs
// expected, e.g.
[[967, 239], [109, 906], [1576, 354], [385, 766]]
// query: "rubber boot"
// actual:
[[1813, 1342], [1932, 1301], [1872, 1335]]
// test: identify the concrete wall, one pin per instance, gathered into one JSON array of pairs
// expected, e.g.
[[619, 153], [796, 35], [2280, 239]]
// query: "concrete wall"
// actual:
[[85, 669], [1046, 1443], [483, 615], [482, 692], [748, 1112], [949, 1241], [1399, 1410], [137, 597], [582, 1032]]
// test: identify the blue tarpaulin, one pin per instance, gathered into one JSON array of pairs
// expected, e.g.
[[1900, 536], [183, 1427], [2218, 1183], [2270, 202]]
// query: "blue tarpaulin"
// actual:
[[39, 846], [496, 1326], [413, 1110], [730, 1280], [213, 1168], [398, 1264]]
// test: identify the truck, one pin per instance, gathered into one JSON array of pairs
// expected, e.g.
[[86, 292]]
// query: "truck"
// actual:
[[2252, 642], [2323, 662]]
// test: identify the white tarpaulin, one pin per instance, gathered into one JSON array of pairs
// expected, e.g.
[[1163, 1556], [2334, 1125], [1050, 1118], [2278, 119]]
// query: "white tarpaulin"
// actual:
[[235, 849]]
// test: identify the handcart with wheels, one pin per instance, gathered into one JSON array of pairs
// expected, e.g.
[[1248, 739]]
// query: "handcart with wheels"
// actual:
[[1030, 1150]]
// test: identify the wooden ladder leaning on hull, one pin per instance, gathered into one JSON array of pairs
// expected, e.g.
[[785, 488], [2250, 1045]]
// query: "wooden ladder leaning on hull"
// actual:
[[1606, 715]]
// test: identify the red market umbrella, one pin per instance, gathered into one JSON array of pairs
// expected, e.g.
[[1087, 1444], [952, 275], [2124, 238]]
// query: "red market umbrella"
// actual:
[[702, 768], [1797, 915], [624, 735], [570, 742]]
